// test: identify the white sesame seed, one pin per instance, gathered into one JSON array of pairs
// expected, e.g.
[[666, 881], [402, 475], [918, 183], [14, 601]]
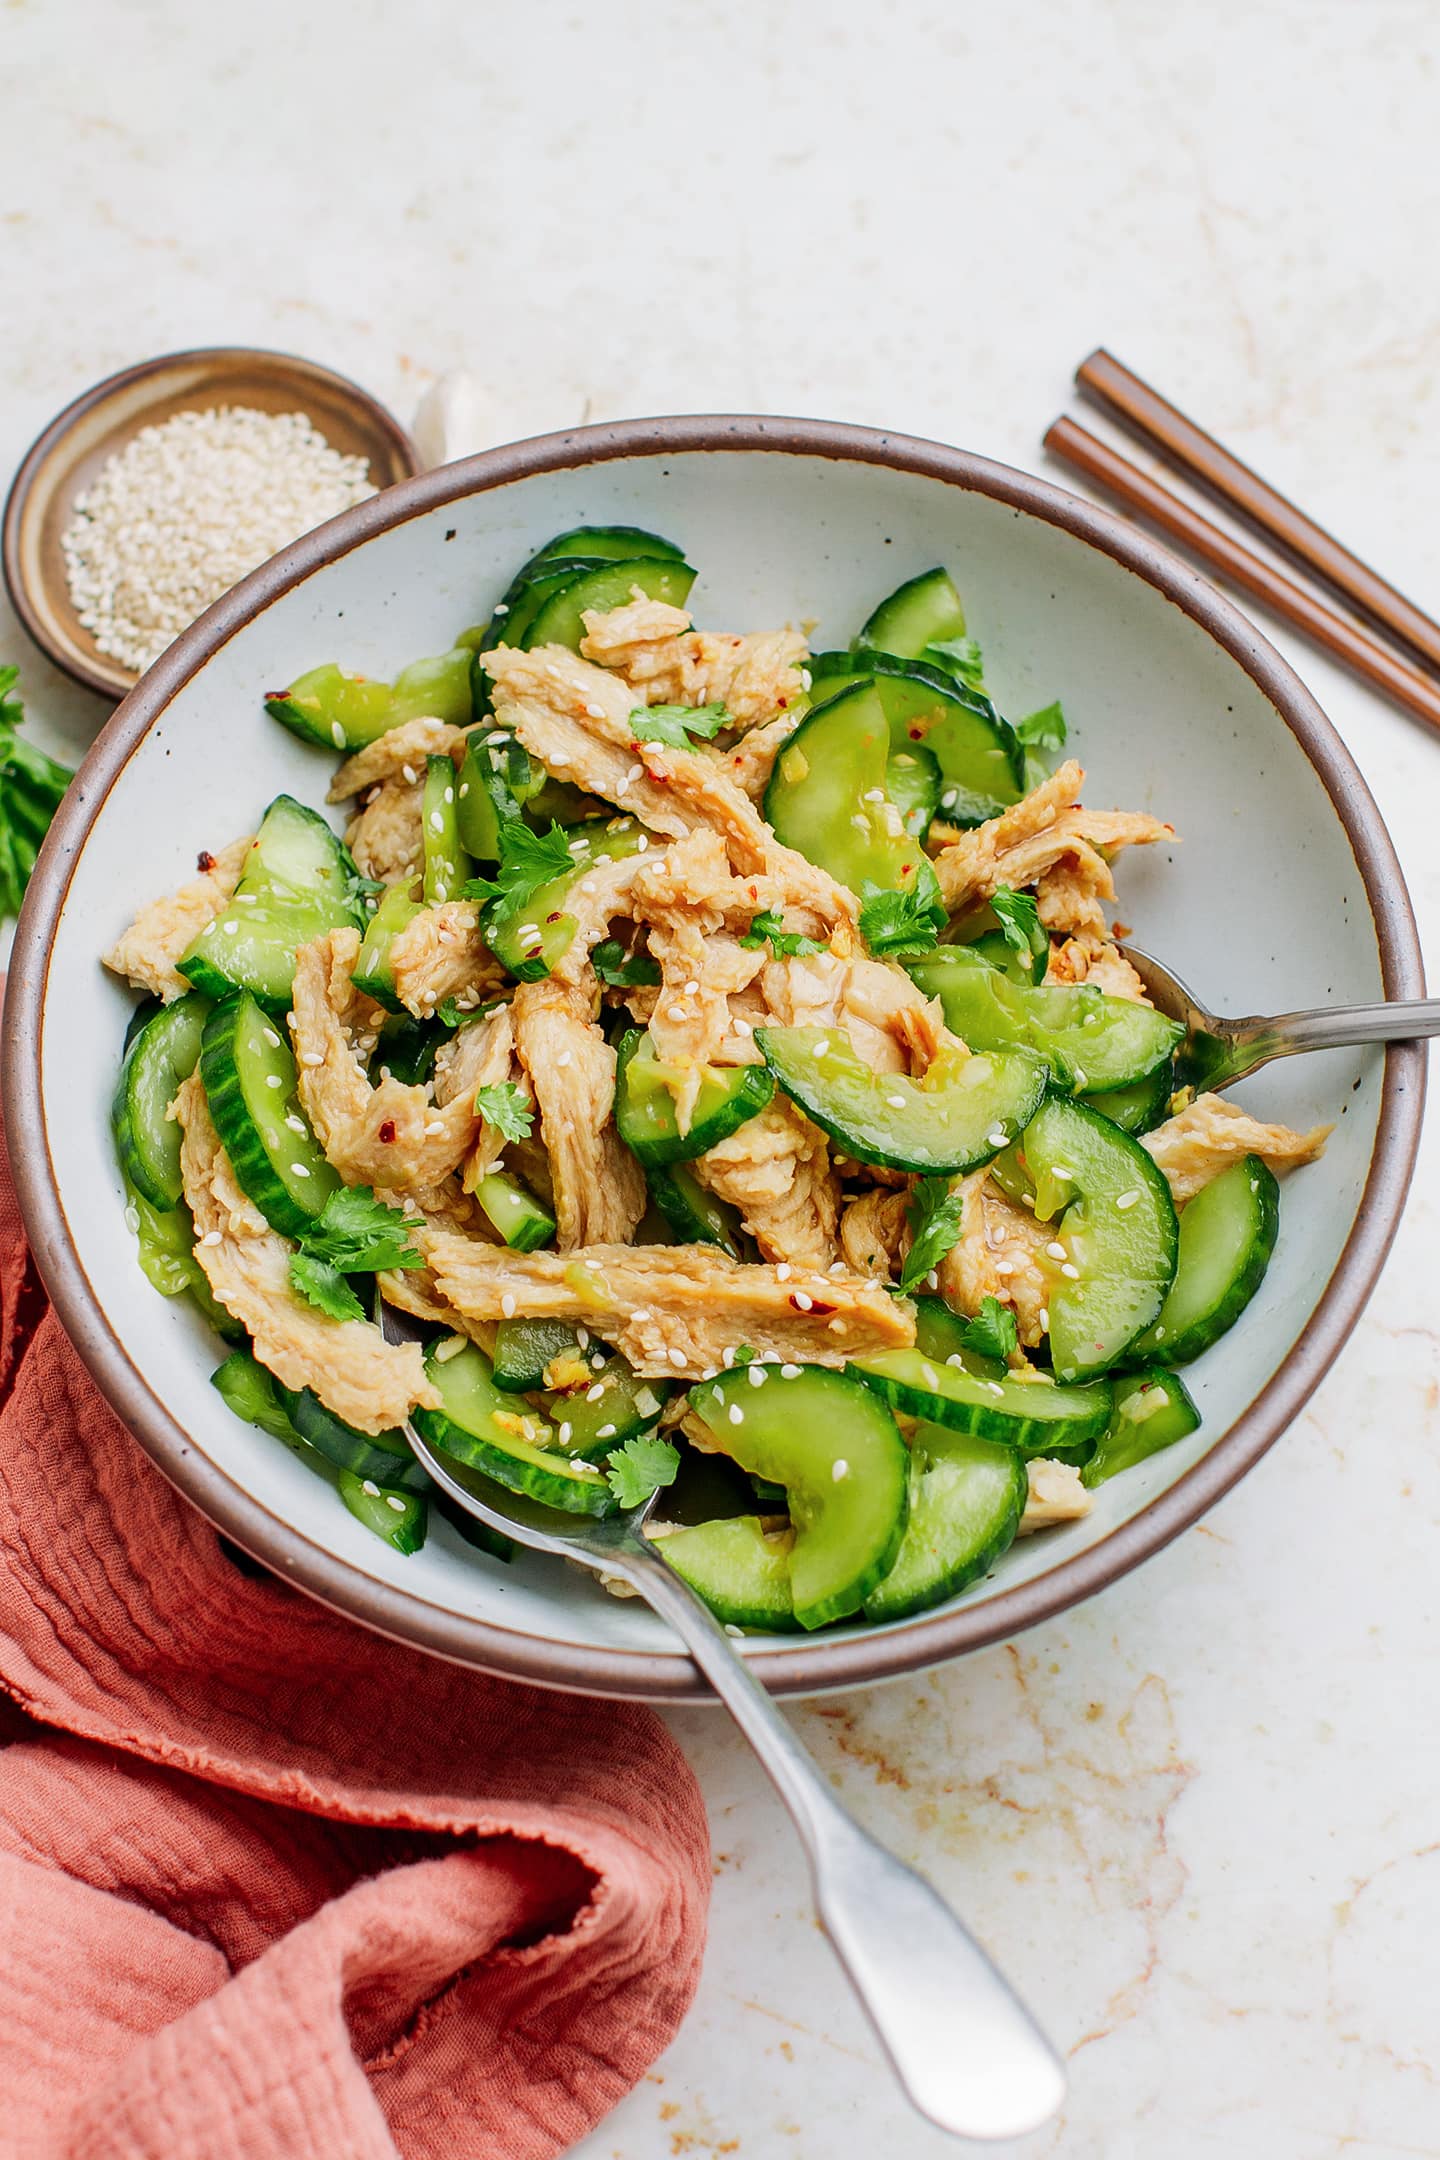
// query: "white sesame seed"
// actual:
[[996, 1138], [230, 929], [394, 1500], [213, 1237], [956, 1360], [501, 607], [273, 1080], [607, 1432], [742, 1027], [408, 772], [1044, 1319], [272, 1038], [435, 1126], [565, 1431], [564, 1059], [312, 1058], [896, 1102], [596, 712], [633, 774], [1072, 1271], [1005, 1268], [784, 1271], [692, 989], [932, 1280], [677, 1359], [370, 1488], [677, 1013], [737, 1632], [1056, 1250], [929, 1375], [757, 1375], [1126, 1200], [642, 845], [789, 1372], [803, 1299], [1064, 1170], [594, 1394], [298, 1169], [874, 794], [507, 1305], [728, 1356], [735, 1414], [839, 1469]]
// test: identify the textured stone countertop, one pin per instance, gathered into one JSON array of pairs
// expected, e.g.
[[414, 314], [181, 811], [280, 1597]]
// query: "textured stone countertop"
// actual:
[[1197, 1818]]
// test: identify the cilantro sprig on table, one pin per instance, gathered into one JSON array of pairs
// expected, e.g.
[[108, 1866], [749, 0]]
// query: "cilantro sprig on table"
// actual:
[[935, 1216], [355, 1234], [901, 925], [769, 927], [507, 1108], [31, 785], [640, 1467], [528, 860], [675, 725]]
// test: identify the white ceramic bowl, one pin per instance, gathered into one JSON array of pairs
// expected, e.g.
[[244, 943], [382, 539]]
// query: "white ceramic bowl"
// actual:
[[1285, 892]]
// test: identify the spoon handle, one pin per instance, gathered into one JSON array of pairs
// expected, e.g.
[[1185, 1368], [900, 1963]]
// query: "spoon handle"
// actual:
[[1336, 1027], [961, 2043]]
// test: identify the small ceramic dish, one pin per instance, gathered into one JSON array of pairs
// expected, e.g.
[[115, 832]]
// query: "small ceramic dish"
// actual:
[[1285, 892], [62, 462]]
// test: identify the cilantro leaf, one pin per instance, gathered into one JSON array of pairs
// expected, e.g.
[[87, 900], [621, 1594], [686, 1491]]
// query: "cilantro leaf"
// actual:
[[448, 1013], [960, 657], [992, 1332], [528, 860], [323, 1285], [1043, 730], [785, 944], [507, 1108], [358, 1234], [897, 925], [640, 1467], [1020, 924], [620, 971], [674, 725], [744, 1355], [934, 1215]]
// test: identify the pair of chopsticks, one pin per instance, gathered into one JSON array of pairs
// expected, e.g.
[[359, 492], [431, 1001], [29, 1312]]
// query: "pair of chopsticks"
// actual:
[[1161, 427]]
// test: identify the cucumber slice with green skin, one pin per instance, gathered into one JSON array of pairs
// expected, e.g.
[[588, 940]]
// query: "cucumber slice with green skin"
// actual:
[[141, 1017], [299, 881], [556, 802], [446, 864], [372, 972], [959, 1116], [980, 761], [1227, 1234], [471, 1531], [916, 614], [1089, 1040], [606, 543], [591, 1424], [645, 1108], [399, 1517], [335, 710], [437, 689], [696, 1216], [1031, 1415], [1152, 1411], [912, 782], [522, 602], [495, 779], [528, 936], [838, 1452], [253, 1394], [479, 1424], [385, 1458], [1140, 1107], [1118, 1224], [513, 1212], [826, 795], [940, 1333], [165, 1052], [165, 1249], [966, 1499], [406, 1049], [741, 1569], [525, 1348], [249, 1078], [561, 620]]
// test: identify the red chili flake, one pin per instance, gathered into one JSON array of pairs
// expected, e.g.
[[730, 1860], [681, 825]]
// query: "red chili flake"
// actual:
[[387, 1131], [204, 860], [555, 917], [782, 703], [821, 1312], [916, 733]]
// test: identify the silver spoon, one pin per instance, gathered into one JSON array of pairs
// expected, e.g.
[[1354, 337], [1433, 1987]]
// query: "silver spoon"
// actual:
[[1214, 1052], [963, 2046]]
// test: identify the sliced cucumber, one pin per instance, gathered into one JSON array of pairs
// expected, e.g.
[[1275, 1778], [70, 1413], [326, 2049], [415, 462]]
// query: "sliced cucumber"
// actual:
[[918, 613], [386, 1458], [645, 1108], [839, 1455], [249, 1079], [513, 1212], [696, 1216], [613, 1405], [525, 1348], [606, 543], [980, 762], [912, 782], [495, 779], [437, 689], [479, 1424], [1118, 1225], [446, 865], [394, 1514], [298, 883], [966, 1499], [406, 1049], [1141, 1107], [528, 935], [253, 1394], [1152, 1411], [1034, 1416], [741, 1569], [958, 1116], [826, 795], [335, 710], [941, 1333], [165, 1052], [561, 619], [372, 971], [165, 1249], [1091, 1041], [1227, 1234]]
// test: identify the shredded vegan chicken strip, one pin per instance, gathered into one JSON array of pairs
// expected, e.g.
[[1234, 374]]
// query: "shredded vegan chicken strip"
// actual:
[[478, 1056], [440, 954], [775, 1168], [1211, 1134], [891, 1023], [665, 662], [385, 837], [388, 757], [1050, 841], [599, 1186], [1000, 1253], [674, 1310], [1081, 959], [1056, 1495], [164, 931], [874, 1233], [366, 1381]]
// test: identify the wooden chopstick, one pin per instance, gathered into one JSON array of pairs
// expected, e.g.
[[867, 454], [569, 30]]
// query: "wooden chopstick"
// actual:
[[1361, 652], [1133, 402]]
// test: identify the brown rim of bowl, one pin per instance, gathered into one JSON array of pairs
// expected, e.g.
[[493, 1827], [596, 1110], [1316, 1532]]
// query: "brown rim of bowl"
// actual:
[[107, 677], [786, 1667]]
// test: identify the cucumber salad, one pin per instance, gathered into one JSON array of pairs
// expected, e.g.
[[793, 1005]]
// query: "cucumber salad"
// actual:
[[723, 1050]]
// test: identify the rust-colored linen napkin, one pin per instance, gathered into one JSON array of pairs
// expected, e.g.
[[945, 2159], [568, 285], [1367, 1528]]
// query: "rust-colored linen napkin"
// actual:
[[271, 1888]]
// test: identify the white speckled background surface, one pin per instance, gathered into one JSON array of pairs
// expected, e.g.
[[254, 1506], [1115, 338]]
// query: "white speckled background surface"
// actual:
[[1197, 1818]]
